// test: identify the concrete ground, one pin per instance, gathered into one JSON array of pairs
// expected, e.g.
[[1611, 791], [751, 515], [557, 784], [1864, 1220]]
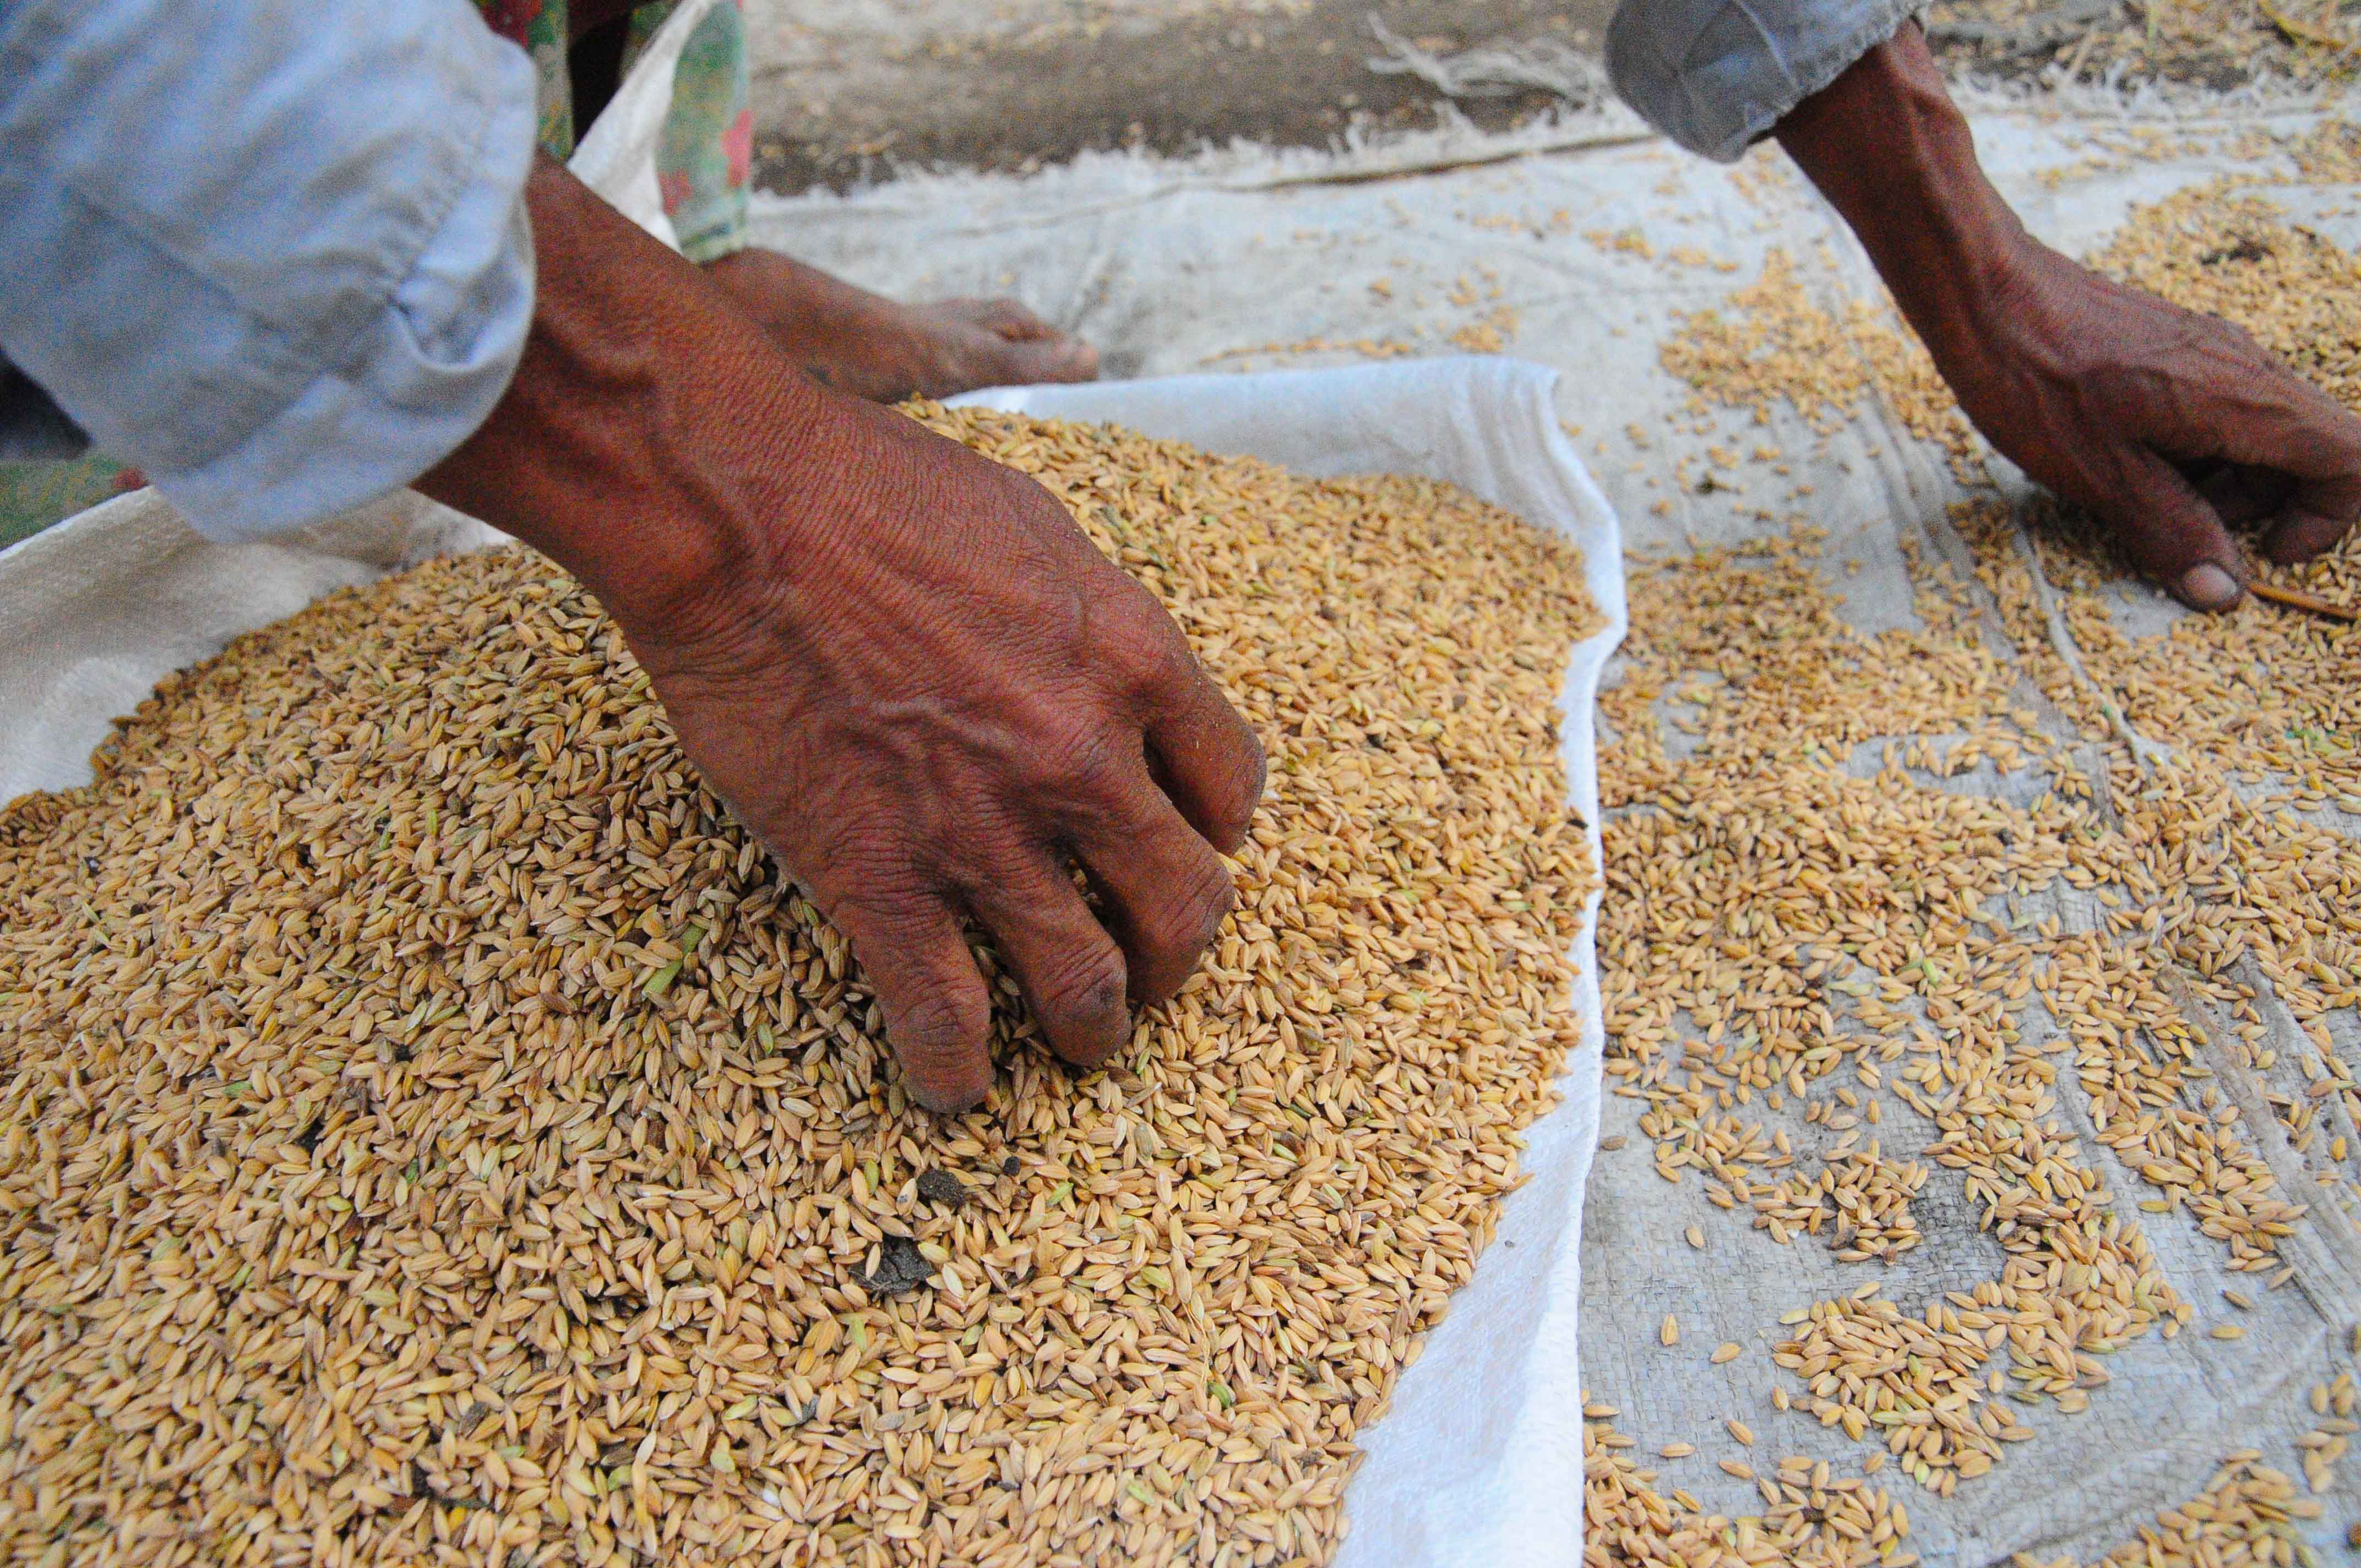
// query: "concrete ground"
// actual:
[[845, 90]]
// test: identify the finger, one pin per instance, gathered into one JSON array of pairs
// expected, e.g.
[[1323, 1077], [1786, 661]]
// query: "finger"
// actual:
[[2241, 493], [1010, 319], [2302, 433], [1037, 350], [2317, 444], [1201, 753], [2301, 533], [1068, 967], [1052, 358], [1162, 889], [2245, 494], [938, 1012], [2173, 536]]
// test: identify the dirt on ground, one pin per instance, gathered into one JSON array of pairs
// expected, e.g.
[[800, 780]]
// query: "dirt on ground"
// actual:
[[848, 104], [848, 89], [2220, 44]]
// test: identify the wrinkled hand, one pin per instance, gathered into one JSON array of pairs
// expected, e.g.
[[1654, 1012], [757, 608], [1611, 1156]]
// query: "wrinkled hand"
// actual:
[[928, 695], [904, 665], [2164, 423]]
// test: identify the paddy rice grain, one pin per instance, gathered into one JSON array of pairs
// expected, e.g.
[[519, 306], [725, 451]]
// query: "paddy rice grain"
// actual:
[[1805, 913], [430, 1129]]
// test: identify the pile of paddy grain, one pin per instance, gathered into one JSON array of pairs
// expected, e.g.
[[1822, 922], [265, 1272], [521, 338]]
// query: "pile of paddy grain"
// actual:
[[430, 1128]]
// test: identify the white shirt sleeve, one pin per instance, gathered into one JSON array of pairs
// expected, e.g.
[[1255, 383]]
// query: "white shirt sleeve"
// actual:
[[273, 252], [1716, 74]]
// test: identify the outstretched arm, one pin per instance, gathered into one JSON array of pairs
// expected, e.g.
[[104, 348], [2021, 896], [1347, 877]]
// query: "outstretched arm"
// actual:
[[2166, 424]]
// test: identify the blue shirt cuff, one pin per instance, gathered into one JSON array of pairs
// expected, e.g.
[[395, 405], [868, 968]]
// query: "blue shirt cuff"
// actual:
[[424, 374], [274, 254], [1715, 75]]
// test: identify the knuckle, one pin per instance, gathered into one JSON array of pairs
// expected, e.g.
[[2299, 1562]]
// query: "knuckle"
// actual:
[[1207, 895], [1254, 767], [938, 1039], [1173, 934], [2340, 431], [1186, 924], [2237, 338], [1087, 762], [1162, 661], [874, 887], [1249, 771], [938, 1025], [1026, 495], [1083, 982], [1144, 647]]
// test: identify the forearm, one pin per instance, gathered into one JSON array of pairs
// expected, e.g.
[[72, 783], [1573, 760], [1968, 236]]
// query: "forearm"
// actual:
[[2112, 398], [1894, 155], [630, 444]]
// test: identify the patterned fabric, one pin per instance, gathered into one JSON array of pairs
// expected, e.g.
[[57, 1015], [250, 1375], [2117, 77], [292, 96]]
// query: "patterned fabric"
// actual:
[[539, 29], [704, 159]]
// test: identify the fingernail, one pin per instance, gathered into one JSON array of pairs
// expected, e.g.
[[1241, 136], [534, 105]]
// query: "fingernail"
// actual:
[[2207, 586]]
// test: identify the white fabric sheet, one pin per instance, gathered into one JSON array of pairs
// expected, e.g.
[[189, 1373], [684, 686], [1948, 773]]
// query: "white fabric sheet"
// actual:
[[1180, 266]]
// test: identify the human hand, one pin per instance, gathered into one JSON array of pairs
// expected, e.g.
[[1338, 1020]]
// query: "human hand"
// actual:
[[926, 690], [878, 348], [2164, 424], [904, 665]]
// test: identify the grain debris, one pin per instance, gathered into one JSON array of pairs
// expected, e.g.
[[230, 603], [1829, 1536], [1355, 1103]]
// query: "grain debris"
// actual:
[[2247, 1513], [1812, 941]]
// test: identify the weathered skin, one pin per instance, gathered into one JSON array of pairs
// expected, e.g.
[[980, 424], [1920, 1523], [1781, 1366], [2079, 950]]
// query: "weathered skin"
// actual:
[[902, 664], [2170, 426]]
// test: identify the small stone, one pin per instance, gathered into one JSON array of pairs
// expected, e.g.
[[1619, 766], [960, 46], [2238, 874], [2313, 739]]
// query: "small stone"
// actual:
[[939, 1186], [901, 1268]]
